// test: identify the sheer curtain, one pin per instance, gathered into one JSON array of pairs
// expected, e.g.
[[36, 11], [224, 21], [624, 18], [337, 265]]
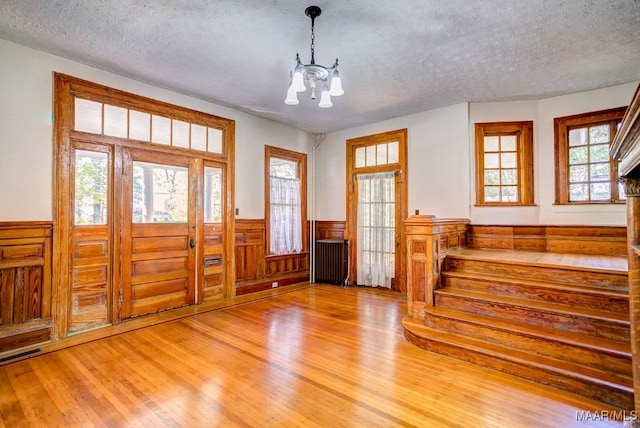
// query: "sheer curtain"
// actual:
[[286, 216], [376, 229]]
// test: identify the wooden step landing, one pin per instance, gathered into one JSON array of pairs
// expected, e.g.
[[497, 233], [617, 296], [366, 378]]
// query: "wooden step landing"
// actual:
[[567, 294], [609, 388], [568, 346], [601, 324], [607, 272]]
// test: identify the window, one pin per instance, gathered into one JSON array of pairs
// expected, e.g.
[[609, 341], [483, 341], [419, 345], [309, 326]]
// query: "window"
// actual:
[[585, 173], [286, 200], [504, 163]]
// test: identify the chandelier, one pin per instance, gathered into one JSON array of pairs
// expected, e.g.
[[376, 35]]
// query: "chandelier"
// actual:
[[317, 75]]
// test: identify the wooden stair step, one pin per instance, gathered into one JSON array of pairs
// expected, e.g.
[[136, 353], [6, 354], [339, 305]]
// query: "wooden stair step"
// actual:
[[607, 325], [606, 387], [568, 294], [569, 346], [576, 275]]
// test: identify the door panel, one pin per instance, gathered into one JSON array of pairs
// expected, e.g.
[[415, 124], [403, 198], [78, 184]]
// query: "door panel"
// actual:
[[159, 232], [213, 273]]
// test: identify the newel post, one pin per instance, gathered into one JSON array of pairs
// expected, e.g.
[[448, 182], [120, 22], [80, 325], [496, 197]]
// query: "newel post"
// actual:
[[427, 241]]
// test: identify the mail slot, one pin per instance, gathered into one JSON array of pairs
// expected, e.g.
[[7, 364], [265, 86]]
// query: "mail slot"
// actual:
[[213, 260]]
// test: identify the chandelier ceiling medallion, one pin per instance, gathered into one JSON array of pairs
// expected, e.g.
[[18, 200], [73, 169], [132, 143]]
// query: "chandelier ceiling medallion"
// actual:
[[315, 74]]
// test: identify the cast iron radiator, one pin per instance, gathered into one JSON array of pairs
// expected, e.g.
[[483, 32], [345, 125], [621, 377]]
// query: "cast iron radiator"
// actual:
[[331, 261]]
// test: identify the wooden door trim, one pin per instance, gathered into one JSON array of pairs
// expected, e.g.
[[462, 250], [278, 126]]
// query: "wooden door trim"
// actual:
[[399, 135]]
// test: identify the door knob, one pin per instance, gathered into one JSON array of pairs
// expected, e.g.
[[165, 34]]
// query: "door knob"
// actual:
[[192, 243]]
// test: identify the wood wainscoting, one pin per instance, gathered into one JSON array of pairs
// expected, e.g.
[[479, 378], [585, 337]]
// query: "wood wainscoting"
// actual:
[[594, 240], [327, 229], [256, 271], [25, 284]]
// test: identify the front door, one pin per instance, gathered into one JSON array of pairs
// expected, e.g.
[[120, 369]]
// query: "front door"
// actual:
[[158, 239]]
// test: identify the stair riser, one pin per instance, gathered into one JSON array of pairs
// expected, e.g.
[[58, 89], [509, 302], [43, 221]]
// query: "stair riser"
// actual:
[[565, 297], [605, 280], [603, 328], [608, 362], [604, 393]]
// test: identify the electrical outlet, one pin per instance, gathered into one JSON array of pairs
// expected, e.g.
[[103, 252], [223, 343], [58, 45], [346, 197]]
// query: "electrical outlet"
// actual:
[[274, 284]]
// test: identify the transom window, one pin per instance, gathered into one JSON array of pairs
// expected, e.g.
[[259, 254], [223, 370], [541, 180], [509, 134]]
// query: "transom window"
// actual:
[[377, 154], [585, 173], [504, 163], [101, 118]]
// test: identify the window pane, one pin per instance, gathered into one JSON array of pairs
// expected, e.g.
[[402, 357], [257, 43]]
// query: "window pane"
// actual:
[[371, 156], [599, 134], [215, 140], [382, 154], [91, 180], [599, 153], [160, 130], [212, 195], [139, 125], [283, 168], [509, 176], [578, 137], [393, 152], [360, 161], [88, 116], [492, 194], [491, 160], [115, 121], [508, 160], [578, 173], [491, 144], [492, 176], [198, 137], [577, 155], [508, 143], [621, 195], [160, 193], [509, 194], [578, 192], [600, 191], [599, 172], [180, 134]]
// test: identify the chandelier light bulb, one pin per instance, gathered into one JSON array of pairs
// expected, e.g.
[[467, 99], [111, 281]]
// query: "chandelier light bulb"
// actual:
[[336, 84], [298, 80], [292, 97], [325, 98]]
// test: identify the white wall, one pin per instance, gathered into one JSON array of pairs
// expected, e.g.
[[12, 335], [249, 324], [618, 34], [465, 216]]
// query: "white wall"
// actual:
[[438, 169], [26, 136], [542, 113]]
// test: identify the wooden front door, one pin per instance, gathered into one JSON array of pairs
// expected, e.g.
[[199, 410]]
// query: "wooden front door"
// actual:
[[158, 235]]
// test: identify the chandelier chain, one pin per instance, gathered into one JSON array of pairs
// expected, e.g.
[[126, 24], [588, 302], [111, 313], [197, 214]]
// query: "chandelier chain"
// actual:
[[313, 42]]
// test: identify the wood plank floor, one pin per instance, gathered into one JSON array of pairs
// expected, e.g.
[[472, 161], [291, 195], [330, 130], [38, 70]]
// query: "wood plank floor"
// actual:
[[319, 357], [607, 263]]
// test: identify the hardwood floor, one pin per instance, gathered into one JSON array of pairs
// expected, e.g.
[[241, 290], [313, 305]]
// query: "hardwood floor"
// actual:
[[321, 356]]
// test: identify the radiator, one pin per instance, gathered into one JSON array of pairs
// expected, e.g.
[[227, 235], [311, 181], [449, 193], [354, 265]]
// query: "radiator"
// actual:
[[331, 261]]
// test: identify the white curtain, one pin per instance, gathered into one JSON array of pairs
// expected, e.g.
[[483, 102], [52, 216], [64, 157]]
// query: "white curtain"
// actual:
[[286, 216], [376, 229]]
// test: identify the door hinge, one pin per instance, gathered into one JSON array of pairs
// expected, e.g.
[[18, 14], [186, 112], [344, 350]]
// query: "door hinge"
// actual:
[[120, 295]]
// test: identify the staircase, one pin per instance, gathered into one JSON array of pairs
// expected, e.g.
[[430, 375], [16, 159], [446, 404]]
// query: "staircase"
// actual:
[[556, 319]]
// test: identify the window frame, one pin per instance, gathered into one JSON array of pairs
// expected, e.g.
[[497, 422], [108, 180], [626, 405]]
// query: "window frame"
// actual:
[[301, 160], [523, 131], [562, 126]]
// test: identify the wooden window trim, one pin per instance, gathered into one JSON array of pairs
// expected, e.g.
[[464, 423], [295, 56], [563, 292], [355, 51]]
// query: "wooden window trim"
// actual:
[[561, 126], [524, 148], [301, 160]]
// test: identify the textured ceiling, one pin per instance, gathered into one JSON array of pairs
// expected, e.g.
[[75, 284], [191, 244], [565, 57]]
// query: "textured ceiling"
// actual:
[[397, 57]]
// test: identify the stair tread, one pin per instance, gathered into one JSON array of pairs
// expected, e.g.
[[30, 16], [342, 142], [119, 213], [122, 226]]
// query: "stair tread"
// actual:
[[537, 305], [521, 357], [547, 333], [596, 291], [614, 264]]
